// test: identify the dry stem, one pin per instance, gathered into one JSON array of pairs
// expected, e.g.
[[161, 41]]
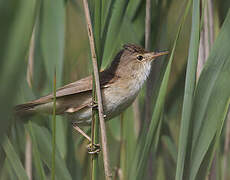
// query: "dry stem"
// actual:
[[30, 66], [98, 92], [147, 47], [28, 156], [149, 83], [29, 78], [206, 41], [147, 24]]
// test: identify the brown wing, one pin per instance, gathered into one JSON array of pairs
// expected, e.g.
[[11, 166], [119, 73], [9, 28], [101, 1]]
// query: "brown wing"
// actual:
[[79, 86], [75, 88], [82, 85]]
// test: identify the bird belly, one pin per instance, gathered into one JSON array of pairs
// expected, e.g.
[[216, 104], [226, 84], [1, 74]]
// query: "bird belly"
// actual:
[[115, 99], [119, 97]]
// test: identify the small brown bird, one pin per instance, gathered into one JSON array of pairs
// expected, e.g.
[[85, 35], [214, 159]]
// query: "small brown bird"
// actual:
[[120, 84]]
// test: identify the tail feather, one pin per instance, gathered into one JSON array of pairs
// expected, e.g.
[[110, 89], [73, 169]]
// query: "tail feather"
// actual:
[[26, 109]]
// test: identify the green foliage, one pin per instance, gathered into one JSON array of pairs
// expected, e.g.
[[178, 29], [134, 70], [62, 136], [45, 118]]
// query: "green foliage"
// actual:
[[14, 160], [17, 20], [146, 144], [43, 140], [190, 84], [213, 97], [51, 37], [187, 127]]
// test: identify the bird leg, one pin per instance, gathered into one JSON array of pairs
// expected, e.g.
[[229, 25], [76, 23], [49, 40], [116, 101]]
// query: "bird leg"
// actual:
[[92, 148], [78, 129], [93, 105]]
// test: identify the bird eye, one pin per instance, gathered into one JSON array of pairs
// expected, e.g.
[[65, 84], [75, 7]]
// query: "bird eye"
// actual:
[[139, 57]]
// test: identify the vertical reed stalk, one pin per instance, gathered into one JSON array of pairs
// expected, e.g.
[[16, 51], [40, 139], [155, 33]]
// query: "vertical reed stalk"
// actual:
[[147, 24], [28, 156], [98, 92], [95, 138], [54, 128], [29, 78], [148, 94], [95, 116], [147, 47]]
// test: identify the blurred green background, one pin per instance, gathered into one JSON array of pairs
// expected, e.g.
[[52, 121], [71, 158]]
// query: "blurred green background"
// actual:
[[150, 140]]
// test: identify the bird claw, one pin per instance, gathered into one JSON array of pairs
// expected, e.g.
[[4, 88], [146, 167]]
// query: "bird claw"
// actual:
[[93, 105], [93, 148]]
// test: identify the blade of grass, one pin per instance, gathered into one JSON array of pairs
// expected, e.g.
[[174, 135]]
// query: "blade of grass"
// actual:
[[211, 99], [53, 37], [52, 43], [97, 31], [129, 142], [72, 162], [226, 147], [216, 62], [145, 146], [206, 42], [14, 160], [16, 21], [106, 16], [155, 120], [119, 10], [132, 8], [9, 173], [170, 146], [43, 139], [54, 128], [190, 83], [32, 151]]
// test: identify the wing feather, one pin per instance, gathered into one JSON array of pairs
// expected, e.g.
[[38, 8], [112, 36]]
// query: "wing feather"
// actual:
[[80, 86]]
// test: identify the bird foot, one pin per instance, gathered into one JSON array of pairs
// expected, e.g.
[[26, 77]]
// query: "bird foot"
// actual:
[[93, 105], [93, 148]]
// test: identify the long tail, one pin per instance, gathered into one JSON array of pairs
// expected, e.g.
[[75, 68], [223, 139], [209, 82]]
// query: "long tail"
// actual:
[[27, 109], [38, 106]]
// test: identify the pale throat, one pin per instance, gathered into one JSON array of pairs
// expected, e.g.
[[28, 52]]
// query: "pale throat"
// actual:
[[136, 83], [143, 73], [128, 88]]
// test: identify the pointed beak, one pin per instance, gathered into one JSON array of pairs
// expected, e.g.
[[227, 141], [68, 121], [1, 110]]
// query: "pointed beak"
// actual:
[[153, 55]]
